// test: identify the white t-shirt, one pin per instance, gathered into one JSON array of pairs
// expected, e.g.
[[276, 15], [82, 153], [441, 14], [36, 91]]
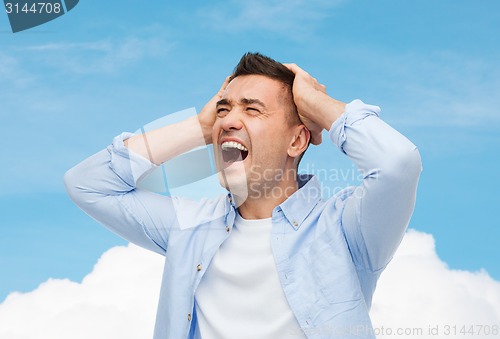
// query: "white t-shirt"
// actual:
[[240, 296]]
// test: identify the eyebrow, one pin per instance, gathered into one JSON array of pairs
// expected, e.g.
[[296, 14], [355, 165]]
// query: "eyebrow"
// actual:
[[223, 102], [244, 101]]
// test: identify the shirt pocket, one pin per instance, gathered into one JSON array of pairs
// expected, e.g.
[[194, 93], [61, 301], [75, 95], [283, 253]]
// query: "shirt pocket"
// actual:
[[332, 267]]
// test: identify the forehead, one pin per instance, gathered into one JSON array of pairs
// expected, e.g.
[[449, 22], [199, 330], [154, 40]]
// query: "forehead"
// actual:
[[260, 87]]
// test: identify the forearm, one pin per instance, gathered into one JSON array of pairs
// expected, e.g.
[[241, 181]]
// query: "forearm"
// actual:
[[379, 210], [165, 143], [327, 109], [103, 186], [129, 158], [371, 143]]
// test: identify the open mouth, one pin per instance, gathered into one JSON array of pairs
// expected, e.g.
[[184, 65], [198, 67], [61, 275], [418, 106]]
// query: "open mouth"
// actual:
[[233, 151]]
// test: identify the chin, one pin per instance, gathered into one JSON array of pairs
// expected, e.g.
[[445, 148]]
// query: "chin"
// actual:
[[233, 178]]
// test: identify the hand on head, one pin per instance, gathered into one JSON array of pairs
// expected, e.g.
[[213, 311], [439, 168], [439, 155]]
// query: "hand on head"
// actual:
[[208, 113], [308, 94]]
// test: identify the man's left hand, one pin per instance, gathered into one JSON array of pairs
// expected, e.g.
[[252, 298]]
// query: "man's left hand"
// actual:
[[316, 109]]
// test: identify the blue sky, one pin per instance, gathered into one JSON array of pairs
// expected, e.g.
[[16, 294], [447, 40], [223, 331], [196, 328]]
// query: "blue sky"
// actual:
[[69, 86]]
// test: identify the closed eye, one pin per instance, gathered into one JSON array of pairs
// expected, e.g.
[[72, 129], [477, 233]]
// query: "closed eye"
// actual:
[[256, 112], [222, 111]]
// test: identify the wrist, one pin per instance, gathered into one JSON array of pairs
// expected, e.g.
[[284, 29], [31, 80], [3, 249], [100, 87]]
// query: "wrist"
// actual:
[[330, 110], [206, 129]]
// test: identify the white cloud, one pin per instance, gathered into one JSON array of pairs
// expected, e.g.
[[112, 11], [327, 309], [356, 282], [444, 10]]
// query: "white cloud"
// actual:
[[12, 75], [106, 55], [295, 18], [117, 300], [453, 89], [103, 56], [418, 290], [103, 46], [432, 88]]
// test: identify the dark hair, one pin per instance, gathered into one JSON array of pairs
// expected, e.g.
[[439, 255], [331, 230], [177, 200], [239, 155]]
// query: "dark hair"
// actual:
[[258, 64]]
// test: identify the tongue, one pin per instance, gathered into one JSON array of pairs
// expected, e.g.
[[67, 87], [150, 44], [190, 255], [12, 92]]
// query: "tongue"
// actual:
[[233, 155]]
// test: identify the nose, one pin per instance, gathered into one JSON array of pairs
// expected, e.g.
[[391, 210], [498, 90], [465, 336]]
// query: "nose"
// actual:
[[231, 121]]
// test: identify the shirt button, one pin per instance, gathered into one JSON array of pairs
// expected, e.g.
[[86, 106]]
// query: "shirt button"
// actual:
[[227, 229], [230, 199], [189, 317], [295, 223], [199, 267]]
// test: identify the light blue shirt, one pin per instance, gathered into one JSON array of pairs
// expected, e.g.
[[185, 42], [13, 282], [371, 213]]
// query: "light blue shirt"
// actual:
[[328, 253]]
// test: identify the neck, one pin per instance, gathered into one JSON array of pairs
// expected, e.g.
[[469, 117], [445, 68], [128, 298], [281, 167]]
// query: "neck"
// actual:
[[261, 204]]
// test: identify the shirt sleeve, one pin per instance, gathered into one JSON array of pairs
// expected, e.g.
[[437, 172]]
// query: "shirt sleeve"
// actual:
[[104, 186], [377, 213]]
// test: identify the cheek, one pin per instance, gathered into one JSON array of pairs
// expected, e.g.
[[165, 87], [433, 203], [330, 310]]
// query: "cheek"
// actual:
[[268, 139], [215, 131]]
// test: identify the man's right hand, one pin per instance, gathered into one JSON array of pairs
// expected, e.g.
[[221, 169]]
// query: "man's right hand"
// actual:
[[167, 142], [207, 115]]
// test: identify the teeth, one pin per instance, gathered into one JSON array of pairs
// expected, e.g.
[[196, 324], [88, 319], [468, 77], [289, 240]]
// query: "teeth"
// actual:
[[233, 144]]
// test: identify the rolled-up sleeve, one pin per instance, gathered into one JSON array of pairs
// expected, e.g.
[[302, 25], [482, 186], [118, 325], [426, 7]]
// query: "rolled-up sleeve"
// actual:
[[377, 213], [104, 186]]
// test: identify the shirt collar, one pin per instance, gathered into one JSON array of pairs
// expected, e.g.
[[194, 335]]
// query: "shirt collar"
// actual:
[[298, 206]]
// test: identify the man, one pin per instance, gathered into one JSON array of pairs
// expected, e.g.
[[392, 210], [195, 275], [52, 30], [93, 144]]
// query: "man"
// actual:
[[271, 259]]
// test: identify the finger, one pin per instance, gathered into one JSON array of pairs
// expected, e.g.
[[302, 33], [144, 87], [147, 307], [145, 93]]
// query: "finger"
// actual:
[[224, 85], [316, 84], [322, 88], [291, 67], [226, 82], [294, 68]]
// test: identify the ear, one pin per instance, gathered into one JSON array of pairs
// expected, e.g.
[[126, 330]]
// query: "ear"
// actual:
[[299, 142]]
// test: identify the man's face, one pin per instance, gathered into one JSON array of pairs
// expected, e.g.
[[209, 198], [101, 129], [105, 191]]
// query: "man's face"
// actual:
[[251, 134]]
